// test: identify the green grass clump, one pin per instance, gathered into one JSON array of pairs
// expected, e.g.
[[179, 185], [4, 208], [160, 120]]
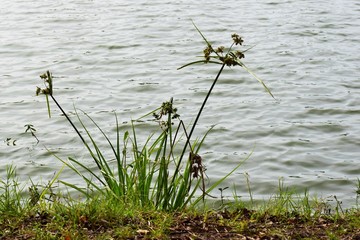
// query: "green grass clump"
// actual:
[[151, 174], [104, 217], [10, 199]]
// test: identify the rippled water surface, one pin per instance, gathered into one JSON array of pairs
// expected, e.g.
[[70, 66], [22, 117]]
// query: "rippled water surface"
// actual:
[[123, 56]]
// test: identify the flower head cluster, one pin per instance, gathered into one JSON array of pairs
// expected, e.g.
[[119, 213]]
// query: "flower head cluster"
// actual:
[[207, 52], [237, 39], [230, 58], [165, 109]]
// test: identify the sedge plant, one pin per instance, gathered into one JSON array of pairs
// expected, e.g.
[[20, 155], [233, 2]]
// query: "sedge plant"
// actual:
[[151, 174]]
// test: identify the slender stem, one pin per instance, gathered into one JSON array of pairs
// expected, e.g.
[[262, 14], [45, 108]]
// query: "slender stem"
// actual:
[[195, 123], [204, 102], [67, 117]]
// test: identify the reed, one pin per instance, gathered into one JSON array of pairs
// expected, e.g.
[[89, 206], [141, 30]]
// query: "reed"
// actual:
[[154, 176], [357, 191]]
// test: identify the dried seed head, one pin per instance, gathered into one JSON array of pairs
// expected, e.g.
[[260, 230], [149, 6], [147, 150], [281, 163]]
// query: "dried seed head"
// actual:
[[220, 49], [38, 90], [43, 76], [45, 91], [237, 39], [207, 51], [239, 54]]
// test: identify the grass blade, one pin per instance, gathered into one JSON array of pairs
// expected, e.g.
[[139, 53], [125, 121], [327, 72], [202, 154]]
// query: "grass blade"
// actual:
[[256, 77], [200, 61]]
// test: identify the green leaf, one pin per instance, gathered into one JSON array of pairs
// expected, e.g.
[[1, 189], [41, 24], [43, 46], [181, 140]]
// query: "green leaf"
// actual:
[[48, 105], [256, 77], [202, 35], [200, 61]]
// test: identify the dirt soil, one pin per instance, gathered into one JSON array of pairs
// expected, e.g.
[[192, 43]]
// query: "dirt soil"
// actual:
[[214, 225], [265, 228]]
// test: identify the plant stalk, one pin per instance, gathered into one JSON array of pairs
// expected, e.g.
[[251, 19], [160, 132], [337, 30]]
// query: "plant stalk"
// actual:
[[69, 120], [195, 123]]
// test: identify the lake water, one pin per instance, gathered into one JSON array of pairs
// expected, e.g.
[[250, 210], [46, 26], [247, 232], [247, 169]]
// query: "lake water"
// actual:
[[123, 56]]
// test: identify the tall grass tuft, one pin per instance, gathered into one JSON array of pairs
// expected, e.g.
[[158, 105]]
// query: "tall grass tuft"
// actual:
[[16, 197], [10, 190], [150, 174]]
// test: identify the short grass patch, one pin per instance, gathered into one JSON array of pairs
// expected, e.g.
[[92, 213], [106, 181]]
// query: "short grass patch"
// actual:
[[107, 219]]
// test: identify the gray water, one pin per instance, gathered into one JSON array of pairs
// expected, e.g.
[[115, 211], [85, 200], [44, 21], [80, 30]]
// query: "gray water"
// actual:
[[123, 56]]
